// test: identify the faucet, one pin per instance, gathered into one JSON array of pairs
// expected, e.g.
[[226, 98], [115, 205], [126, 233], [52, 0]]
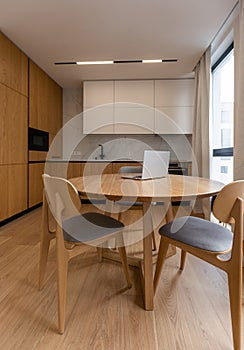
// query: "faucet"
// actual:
[[101, 155]]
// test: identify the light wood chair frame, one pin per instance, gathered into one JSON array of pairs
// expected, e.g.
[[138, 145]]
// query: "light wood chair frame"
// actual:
[[66, 251], [233, 266]]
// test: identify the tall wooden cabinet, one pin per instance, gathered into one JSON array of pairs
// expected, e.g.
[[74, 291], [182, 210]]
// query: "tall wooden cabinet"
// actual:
[[13, 129], [45, 113], [26, 93]]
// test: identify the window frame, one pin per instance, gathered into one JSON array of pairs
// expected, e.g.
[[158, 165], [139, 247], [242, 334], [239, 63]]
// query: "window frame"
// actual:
[[223, 151]]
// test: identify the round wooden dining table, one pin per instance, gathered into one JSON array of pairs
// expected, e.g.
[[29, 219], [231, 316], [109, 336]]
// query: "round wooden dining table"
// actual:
[[172, 188]]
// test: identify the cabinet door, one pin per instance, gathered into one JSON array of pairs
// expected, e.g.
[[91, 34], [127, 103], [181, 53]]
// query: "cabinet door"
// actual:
[[134, 91], [97, 93], [35, 183], [96, 168], [173, 120], [13, 126], [74, 170], [13, 190], [99, 120], [129, 119], [179, 92], [13, 66], [45, 101], [174, 100]]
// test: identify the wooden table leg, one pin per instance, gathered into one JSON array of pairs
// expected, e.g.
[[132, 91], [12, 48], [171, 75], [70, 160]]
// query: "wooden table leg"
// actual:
[[169, 214], [169, 217], [147, 257]]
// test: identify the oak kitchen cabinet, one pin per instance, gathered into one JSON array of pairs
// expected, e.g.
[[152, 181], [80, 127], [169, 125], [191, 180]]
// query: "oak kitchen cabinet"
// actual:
[[77, 168], [23, 84], [13, 128], [82, 168], [35, 183], [45, 113]]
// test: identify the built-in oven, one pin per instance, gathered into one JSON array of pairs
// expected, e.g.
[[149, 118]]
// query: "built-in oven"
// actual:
[[38, 140], [177, 169]]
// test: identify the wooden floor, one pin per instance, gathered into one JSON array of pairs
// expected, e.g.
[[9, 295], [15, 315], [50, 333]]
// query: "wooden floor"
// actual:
[[191, 308]]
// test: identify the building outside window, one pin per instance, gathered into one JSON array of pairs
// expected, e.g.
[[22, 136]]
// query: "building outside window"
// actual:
[[221, 160]]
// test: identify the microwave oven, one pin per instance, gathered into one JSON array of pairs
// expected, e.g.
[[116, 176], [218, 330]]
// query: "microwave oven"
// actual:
[[38, 140]]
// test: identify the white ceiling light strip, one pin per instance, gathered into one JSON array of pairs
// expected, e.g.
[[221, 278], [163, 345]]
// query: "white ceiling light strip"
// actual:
[[118, 62], [94, 62]]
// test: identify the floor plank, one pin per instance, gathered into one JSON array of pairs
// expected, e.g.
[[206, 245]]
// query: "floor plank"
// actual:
[[191, 307]]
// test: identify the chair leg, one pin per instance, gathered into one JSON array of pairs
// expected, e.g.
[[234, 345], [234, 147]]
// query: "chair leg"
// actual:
[[182, 260], [62, 270], [154, 241], [162, 251], [235, 292], [44, 249], [123, 257], [120, 216], [122, 252]]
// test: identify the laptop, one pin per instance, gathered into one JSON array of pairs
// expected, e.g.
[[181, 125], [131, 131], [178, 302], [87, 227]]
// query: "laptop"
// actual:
[[155, 165]]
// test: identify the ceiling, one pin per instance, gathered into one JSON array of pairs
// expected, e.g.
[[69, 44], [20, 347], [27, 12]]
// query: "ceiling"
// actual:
[[87, 30]]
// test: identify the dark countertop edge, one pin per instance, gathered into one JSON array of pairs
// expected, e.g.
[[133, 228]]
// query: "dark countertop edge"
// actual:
[[92, 161], [102, 161]]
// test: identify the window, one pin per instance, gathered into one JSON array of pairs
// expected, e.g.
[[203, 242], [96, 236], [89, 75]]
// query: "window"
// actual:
[[226, 137], [225, 117], [221, 166], [224, 169]]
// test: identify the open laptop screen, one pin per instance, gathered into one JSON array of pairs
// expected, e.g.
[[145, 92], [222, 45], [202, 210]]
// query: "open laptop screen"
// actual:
[[155, 165]]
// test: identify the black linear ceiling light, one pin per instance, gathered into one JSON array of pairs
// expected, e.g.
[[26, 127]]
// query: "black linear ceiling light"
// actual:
[[118, 61]]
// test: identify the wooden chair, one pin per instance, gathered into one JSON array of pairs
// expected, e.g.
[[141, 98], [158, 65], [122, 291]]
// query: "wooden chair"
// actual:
[[72, 230], [209, 241], [137, 205]]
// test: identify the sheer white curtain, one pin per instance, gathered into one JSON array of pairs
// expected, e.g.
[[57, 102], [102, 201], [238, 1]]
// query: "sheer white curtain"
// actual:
[[239, 94], [200, 138]]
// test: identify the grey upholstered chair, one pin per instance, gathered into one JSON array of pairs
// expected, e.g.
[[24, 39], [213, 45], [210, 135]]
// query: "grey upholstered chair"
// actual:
[[209, 241], [72, 231], [137, 205]]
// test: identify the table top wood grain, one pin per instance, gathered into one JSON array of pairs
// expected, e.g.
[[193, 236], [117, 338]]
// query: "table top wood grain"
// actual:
[[172, 187]]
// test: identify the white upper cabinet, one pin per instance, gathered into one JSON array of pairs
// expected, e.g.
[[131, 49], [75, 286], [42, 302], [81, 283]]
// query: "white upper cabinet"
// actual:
[[133, 118], [134, 91], [98, 113], [138, 106], [99, 120], [173, 120], [133, 107], [178, 92], [174, 100], [96, 93]]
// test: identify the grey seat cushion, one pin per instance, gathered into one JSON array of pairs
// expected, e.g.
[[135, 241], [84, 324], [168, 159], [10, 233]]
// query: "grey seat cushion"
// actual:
[[89, 226], [198, 233]]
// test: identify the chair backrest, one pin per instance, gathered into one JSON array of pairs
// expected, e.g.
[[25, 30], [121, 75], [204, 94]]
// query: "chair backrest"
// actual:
[[62, 190], [225, 200], [130, 169]]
